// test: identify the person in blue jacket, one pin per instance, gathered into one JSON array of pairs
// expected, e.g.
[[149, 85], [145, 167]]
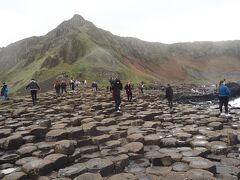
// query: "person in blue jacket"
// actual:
[[4, 91], [224, 94]]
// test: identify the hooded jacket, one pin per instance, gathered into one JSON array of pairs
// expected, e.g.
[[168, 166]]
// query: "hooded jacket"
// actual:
[[33, 86], [223, 90]]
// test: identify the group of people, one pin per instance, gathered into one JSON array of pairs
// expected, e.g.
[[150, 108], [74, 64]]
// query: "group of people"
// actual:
[[60, 87], [116, 87]]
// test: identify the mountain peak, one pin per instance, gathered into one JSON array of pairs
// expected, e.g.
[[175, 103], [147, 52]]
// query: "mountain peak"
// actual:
[[77, 20], [77, 17]]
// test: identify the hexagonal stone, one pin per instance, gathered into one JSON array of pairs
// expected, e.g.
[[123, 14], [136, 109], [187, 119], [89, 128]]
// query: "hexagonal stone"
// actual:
[[123, 176], [108, 122], [64, 147], [169, 142], [215, 125], [152, 139], [218, 147], [199, 143], [232, 170], [38, 132], [180, 167], [199, 174], [101, 139], [45, 123], [73, 171], [75, 132], [146, 176], [226, 177], [230, 161], [26, 151], [89, 176], [150, 124], [183, 136], [104, 166], [16, 176], [90, 128], [120, 162], [151, 148], [158, 170], [137, 137], [56, 135], [159, 159], [114, 151], [88, 149], [37, 167], [175, 175], [202, 163], [58, 160], [13, 142], [9, 158], [112, 144], [5, 132], [134, 147], [25, 160], [175, 156]]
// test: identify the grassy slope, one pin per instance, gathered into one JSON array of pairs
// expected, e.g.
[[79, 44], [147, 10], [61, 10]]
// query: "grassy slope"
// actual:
[[109, 55]]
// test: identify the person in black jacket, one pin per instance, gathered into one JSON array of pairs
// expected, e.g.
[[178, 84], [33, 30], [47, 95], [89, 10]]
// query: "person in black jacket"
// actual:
[[63, 87], [117, 87], [33, 86], [169, 95]]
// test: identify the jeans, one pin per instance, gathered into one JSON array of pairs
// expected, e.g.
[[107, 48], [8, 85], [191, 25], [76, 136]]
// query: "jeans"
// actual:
[[117, 99], [223, 101], [34, 96]]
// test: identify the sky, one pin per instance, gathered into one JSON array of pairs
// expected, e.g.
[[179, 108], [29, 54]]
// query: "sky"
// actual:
[[165, 21]]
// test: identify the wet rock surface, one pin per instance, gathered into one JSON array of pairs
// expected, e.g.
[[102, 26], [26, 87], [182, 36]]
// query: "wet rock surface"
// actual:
[[80, 136]]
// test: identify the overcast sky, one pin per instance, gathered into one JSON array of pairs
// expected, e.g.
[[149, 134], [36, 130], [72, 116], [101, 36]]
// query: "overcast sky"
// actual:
[[166, 21]]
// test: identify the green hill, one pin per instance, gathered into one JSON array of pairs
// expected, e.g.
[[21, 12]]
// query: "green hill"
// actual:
[[79, 49]]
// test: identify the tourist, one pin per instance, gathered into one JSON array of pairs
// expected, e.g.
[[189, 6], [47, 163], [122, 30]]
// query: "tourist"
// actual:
[[111, 81], [72, 85], [169, 96], [85, 82], [224, 94], [57, 86], [141, 86], [128, 89], [94, 86], [63, 87], [4, 91], [33, 86], [117, 87]]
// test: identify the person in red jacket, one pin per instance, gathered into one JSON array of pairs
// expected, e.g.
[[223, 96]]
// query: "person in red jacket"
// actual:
[[128, 89]]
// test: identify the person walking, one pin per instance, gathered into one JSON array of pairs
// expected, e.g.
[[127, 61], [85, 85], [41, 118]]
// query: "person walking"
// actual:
[[94, 86], [223, 95], [128, 89], [34, 87], [57, 86], [141, 86], [117, 87], [72, 84], [169, 95], [63, 87], [4, 91]]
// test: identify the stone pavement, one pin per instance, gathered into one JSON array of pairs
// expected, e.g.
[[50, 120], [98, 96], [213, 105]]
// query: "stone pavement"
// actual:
[[80, 136]]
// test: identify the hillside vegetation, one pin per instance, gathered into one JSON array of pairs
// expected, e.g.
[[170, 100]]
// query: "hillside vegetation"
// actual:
[[81, 50]]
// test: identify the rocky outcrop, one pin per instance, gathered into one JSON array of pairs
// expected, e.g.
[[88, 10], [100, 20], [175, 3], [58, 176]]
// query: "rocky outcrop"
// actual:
[[80, 136]]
